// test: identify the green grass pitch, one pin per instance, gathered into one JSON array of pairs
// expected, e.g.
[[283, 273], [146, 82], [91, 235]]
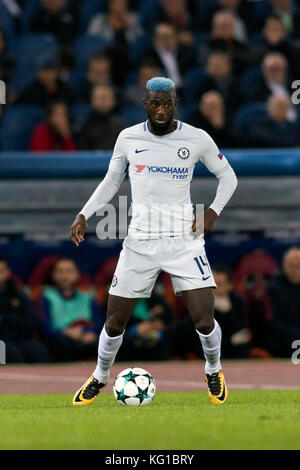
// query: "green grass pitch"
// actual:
[[249, 420]]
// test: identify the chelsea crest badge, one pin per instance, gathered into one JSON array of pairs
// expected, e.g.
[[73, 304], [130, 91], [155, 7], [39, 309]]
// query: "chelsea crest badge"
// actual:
[[183, 153]]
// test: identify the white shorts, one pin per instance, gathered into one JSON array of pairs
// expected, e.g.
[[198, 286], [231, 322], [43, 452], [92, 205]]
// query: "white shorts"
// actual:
[[141, 261]]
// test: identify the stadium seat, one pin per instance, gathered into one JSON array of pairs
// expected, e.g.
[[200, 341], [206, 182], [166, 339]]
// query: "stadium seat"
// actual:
[[253, 272], [7, 24], [251, 76], [188, 112], [78, 113], [203, 7], [28, 50], [133, 114], [88, 9], [42, 273], [32, 47], [138, 48], [147, 14], [86, 47], [191, 86], [30, 9], [251, 279], [17, 125], [246, 114], [261, 10], [103, 278], [22, 77]]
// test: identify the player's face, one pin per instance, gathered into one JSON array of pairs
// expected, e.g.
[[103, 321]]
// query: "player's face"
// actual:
[[160, 108]]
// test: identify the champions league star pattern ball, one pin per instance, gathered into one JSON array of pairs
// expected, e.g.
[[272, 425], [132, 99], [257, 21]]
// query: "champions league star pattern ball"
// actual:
[[134, 387]]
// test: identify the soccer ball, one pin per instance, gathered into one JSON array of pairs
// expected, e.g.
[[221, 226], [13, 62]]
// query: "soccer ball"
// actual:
[[134, 387]]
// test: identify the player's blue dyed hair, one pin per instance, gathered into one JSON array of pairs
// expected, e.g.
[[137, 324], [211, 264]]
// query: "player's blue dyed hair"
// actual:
[[160, 84]]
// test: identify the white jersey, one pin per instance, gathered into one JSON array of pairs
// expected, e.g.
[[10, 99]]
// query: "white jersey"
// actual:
[[160, 169]]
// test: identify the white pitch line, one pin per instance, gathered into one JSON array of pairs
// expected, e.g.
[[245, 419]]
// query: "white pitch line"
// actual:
[[171, 383]]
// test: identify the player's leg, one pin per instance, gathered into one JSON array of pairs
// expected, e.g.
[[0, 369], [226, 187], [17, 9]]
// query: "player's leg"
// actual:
[[200, 304], [134, 278], [192, 277], [119, 310]]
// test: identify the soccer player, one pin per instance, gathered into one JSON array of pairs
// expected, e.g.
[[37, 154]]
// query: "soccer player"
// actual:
[[161, 154]]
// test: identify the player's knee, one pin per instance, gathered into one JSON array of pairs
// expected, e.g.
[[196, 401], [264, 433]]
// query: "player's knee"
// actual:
[[114, 327], [205, 326]]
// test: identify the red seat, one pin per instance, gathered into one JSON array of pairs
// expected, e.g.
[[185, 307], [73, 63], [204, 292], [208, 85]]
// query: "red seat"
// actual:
[[253, 273], [103, 278], [41, 275], [251, 279]]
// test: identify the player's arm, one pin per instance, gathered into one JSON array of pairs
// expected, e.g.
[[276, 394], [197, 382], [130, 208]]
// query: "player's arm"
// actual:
[[103, 193], [217, 164]]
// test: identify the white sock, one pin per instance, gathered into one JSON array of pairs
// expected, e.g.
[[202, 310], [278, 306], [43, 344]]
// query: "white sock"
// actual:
[[107, 351], [211, 345]]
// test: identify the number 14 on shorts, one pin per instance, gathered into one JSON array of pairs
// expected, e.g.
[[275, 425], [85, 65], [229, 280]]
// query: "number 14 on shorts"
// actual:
[[203, 266]]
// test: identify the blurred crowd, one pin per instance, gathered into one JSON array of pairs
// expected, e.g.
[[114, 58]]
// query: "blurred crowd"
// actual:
[[59, 315], [233, 62]]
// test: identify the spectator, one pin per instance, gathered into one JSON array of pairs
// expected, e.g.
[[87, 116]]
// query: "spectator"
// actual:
[[275, 128], [144, 338], [119, 26], [18, 322], [275, 39], [173, 59], [284, 297], [274, 79], [218, 76], [289, 14], [135, 92], [98, 73], [72, 320], [176, 13], [230, 314], [46, 87], [102, 126], [55, 133], [55, 17], [222, 37], [236, 7], [211, 117]]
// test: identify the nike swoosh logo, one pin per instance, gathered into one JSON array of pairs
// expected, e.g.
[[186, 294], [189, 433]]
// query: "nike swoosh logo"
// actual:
[[139, 151], [205, 278], [222, 397]]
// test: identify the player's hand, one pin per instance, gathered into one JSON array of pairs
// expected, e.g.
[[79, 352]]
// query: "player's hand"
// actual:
[[78, 229], [210, 216]]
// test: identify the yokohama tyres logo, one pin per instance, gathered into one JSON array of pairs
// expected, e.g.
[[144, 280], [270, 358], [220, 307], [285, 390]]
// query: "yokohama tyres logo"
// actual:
[[162, 169], [139, 168]]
